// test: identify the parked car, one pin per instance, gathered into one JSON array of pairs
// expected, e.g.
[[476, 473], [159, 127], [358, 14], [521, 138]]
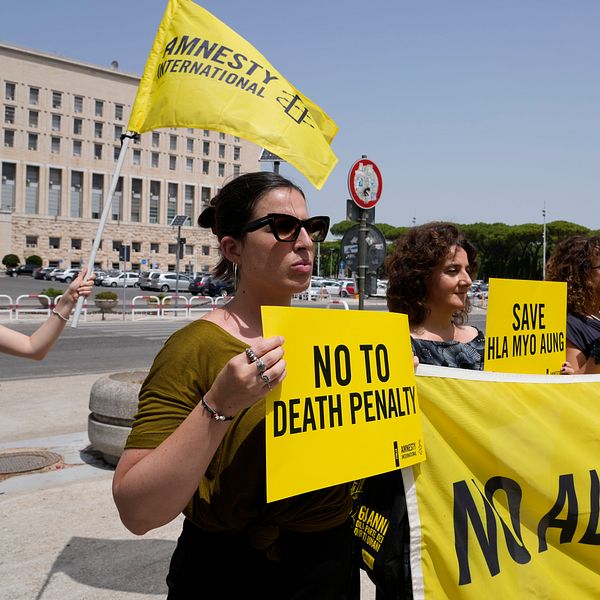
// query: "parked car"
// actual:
[[100, 275], [41, 272], [26, 269], [381, 291], [68, 275], [167, 282], [128, 279], [51, 275], [207, 285], [347, 288], [145, 278], [332, 286]]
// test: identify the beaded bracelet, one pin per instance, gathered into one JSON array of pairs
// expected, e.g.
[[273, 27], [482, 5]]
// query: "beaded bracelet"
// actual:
[[213, 413], [55, 312]]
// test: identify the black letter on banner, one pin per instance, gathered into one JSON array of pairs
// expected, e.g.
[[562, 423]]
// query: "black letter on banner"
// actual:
[[592, 535], [342, 380], [366, 348], [513, 496], [323, 366], [566, 491], [464, 508], [381, 351], [279, 425]]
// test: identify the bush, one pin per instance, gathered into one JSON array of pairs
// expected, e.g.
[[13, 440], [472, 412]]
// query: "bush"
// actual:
[[10, 260], [106, 296], [52, 292], [34, 259]]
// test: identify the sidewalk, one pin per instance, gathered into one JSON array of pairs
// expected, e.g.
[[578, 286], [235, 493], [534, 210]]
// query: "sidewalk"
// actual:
[[61, 535]]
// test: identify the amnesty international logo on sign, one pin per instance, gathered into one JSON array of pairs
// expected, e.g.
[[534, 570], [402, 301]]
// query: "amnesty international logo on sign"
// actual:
[[526, 326], [202, 74], [348, 407]]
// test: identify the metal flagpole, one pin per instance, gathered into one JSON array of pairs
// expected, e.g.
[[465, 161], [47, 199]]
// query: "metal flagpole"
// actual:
[[103, 219]]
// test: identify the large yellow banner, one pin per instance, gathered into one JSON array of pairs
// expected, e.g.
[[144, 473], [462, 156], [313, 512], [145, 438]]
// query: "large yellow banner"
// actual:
[[202, 74], [348, 407], [526, 326], [507, 503]]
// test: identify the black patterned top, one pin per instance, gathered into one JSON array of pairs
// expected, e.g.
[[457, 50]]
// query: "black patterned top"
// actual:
[[462, 355]]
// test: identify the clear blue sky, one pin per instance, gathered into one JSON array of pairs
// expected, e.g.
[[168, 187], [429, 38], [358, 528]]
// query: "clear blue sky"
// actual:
[[474, 110]]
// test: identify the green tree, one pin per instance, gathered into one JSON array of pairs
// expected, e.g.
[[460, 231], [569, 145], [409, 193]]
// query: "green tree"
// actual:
[[34, 259], [10, 260]]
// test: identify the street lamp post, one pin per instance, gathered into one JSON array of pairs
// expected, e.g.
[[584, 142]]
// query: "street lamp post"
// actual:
[[544, 243], [178, 221]]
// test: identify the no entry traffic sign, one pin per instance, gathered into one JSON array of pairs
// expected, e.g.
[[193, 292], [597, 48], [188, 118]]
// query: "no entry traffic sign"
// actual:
[[365, 183]]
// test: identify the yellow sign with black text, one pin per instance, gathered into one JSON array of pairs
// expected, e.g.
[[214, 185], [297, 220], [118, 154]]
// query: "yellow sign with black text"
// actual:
[[348, 407], [526, 326]]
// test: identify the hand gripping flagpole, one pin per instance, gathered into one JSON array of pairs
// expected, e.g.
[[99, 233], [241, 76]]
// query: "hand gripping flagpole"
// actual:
[[105, 212]]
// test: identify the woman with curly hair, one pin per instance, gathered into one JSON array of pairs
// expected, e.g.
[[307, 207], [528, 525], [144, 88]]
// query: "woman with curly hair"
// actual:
[[429, 275], [576, 260]]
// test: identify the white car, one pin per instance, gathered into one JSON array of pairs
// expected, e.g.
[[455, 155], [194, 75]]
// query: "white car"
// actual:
[[129, 279], [68, 275]]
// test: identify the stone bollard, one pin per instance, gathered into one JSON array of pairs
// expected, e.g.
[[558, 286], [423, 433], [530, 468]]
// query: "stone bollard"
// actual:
[[113, 404]]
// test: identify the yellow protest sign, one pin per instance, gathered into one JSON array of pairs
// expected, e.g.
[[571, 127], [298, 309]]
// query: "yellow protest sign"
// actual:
[[525, 326], [348, 406]]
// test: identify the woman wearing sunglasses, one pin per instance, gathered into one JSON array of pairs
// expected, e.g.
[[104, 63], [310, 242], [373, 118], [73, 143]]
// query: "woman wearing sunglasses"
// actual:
[[576, 260], [197, 443]]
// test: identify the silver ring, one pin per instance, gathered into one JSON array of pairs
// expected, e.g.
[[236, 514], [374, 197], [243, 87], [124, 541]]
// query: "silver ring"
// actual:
[[260, 365], [250, 354], [265, 378]]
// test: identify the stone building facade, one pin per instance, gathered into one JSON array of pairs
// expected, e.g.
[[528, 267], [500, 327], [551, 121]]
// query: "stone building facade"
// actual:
[[62, 122]]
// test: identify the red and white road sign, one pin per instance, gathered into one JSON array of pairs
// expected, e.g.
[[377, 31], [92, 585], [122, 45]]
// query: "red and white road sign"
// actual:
[[365, 183]]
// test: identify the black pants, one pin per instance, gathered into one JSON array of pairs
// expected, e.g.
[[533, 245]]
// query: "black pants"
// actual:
[[311, 566]]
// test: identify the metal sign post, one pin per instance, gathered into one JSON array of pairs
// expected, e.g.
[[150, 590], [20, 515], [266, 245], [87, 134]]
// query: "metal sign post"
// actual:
[[365, 185], [178, 221]]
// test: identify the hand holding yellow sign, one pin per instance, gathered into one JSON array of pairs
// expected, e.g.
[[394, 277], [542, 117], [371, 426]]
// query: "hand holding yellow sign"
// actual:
[[525, 326], [348, 407]]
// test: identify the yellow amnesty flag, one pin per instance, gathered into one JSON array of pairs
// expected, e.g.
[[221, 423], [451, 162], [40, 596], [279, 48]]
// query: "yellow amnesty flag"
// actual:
[[202, 74]]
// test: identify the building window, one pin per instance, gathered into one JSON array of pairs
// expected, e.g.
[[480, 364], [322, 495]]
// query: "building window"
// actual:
[[55, 122], [55, 145], [32, 184], [77, 126], [32, 141], [118, 132], [236, 170], [97, 129], [78, 104], [206, 148], [76, 196], [236, 153], [34, 95], [188, 209], [171, 201], [34, 118], [172, 162], [76, 148], [189, 249], [97, 195], [236, 139], [116, 152], [221, 135], [221, 150], [98, 151], [136, 246], [154, 247], [205, 197], [136, 157], [172, 249], [189, 165], [9, 114], [9, 138], [56, 100], [10, 90], [155, 160], [8, 196], [136, 200], [190, 145], [99, 107], [172, 142], [117, 201], [54, 243], [205, 250], [75, 243], [155, 139], [54, 192], [221, 170], [116, 245], [118, 112], [205, 167], [206, 133], [154, 208], [31, 241]]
